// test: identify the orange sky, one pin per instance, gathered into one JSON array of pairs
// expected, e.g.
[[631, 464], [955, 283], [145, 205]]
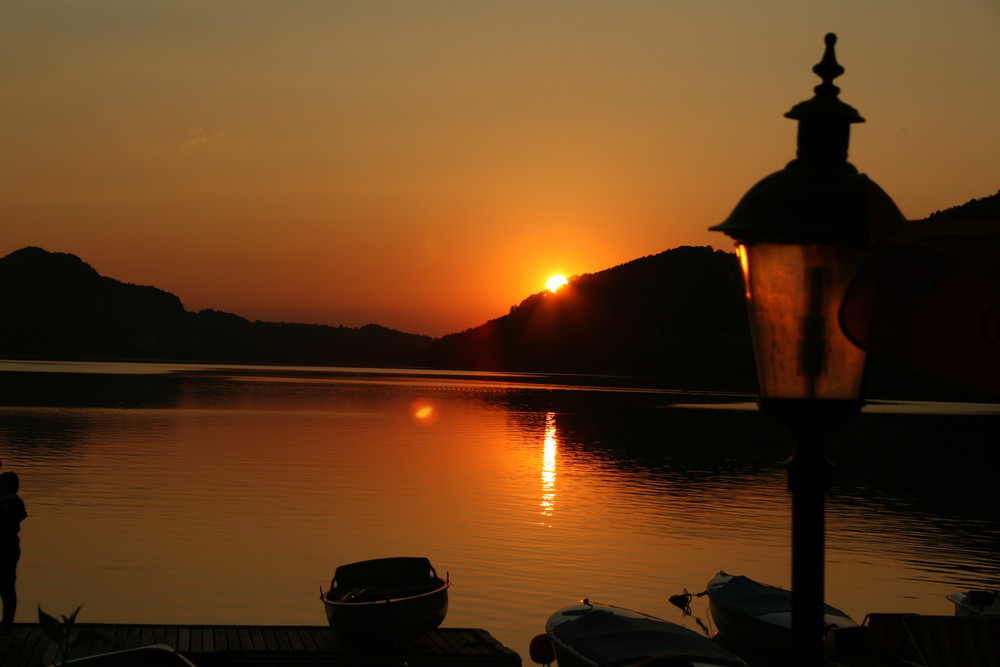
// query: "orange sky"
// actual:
[[426, 165]]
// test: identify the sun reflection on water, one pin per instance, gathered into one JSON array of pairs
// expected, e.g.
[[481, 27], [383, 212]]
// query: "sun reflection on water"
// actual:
[[549, 466]]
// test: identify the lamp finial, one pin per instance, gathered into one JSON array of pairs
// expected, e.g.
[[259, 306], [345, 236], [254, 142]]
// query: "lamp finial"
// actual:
[[828, 68]]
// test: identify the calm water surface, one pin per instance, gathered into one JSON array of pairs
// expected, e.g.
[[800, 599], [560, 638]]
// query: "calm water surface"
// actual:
[[192, 494]]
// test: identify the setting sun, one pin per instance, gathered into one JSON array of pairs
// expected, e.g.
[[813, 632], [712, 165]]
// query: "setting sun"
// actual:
[[555, 282]]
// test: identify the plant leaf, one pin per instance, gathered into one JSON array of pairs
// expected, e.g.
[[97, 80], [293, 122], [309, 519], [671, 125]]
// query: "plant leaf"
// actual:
[[51, 626], [72, 619]]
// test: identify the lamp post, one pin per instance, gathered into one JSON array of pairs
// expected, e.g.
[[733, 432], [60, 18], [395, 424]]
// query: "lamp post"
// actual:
[[801, 235]]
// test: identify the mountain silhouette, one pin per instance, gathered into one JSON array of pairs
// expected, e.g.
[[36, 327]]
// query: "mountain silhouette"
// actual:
[[678, 315], [983, 208], [676, 318], [55, 305]]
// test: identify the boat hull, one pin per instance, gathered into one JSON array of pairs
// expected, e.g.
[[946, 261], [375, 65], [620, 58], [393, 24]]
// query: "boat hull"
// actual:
[[386, 601], [593, 635], [752, 614]]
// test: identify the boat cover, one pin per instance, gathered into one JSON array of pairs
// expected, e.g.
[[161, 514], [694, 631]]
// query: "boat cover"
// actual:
[[355, 574], [755, 599], [612, 639]]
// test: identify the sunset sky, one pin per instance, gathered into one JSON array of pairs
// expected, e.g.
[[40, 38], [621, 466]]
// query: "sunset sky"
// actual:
[[425, 165]]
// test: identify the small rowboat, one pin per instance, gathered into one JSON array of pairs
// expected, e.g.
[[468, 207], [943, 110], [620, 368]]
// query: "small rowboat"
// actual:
[[386, 600], [596, 635], [749, 613]]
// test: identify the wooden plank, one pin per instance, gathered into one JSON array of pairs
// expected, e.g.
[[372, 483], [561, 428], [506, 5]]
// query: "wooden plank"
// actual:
[[23, 645], [308, 636], [295, 641], [471, 643], [282, 635], [270, 640], [453, 642], [246, 643], [233, 639], [138, 632], [219, 633], [481, 642], [273, 646], [196, 643], [432, 642], [36, 644], [170, 633], [208, 639], [11, 645], [326, 640], [81, 648], [257, 638]]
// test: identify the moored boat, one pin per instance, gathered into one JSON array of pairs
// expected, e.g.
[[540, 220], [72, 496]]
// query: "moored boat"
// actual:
[[596, 635], [386, 600], [976, 603], [749, 613]]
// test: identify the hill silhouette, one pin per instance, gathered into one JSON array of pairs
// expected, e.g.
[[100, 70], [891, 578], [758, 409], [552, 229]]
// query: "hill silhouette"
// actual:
[[678, 315], [55, 305], [985, 208], [676, 318]]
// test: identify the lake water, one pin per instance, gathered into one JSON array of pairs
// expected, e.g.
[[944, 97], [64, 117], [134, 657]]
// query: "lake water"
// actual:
[[226, 494]]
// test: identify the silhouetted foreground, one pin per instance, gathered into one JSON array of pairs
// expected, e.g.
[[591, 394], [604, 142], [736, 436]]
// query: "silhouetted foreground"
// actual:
[[55, 306], [265, 646], [677, 315], [677, 318]]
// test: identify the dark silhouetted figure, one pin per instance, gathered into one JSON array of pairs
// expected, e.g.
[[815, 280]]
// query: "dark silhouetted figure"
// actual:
[[12, 513]]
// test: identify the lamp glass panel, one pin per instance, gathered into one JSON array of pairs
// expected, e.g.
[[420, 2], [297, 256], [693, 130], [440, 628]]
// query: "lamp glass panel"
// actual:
[[794, 293]]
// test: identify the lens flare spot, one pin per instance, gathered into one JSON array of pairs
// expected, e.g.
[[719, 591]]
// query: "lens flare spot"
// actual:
[[424, 411]]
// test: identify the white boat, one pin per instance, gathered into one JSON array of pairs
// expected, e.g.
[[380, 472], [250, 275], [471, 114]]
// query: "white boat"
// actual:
[[749, 613], [976, 603], [386, 600], [596, 635]]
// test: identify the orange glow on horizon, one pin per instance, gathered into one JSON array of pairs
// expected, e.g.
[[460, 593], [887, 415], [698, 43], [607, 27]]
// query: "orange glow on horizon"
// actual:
[[317, 187]]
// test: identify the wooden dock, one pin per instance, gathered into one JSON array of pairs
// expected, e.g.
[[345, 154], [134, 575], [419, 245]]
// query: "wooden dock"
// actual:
[[264, 646]]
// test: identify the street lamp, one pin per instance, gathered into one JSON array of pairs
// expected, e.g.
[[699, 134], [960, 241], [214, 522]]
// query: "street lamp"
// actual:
[[801, 235]]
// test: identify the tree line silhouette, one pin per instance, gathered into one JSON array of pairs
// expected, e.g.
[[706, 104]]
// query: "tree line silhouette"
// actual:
[[56, 306], [677, 315], [676, 318], [984, 208]]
